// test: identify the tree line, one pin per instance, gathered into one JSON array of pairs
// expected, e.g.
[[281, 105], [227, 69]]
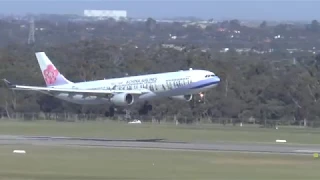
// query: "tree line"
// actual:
[[270, 87]]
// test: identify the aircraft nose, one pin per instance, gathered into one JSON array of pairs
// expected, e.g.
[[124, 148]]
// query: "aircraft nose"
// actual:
[[217, 78]]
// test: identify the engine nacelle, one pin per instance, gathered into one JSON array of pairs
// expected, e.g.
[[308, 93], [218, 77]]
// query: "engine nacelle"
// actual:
[[183, 97], [122, 99]]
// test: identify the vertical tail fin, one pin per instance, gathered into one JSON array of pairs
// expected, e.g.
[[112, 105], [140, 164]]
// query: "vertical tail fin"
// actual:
[[50, 73]]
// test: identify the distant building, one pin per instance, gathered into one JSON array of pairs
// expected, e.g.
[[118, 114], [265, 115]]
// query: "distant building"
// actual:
[[104, 14]]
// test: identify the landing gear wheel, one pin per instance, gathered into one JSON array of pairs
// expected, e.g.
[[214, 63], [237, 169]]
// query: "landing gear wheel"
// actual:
[[202, 97], [145, 108], [149, 107], [111, 111]]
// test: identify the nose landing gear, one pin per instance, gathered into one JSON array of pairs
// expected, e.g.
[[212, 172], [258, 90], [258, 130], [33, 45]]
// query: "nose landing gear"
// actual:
[[202, 98]]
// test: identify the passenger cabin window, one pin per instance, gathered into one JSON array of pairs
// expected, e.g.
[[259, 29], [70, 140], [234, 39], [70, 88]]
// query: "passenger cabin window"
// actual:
[[211, 75]]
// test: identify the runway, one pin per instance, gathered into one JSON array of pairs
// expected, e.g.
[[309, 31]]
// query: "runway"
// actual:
[[159, 144]]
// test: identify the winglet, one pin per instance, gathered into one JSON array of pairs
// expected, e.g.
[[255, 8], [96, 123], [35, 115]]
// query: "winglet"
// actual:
[[8, 83]]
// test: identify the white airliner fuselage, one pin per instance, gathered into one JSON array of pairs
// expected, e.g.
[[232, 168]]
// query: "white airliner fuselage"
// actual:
[[155, 85], [122, 91]]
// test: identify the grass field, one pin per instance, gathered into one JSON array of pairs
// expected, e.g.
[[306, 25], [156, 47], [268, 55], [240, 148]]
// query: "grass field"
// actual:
[[66, 163], [208, 133]]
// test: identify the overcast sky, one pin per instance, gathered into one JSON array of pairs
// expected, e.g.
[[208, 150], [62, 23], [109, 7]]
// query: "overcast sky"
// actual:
[[255, 10]]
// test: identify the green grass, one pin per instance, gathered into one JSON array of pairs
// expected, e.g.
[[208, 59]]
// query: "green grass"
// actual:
[[200, 133], [62, 163]]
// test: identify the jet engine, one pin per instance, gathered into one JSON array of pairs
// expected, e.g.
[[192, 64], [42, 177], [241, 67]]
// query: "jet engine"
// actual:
[[183, 97], [122, 99]]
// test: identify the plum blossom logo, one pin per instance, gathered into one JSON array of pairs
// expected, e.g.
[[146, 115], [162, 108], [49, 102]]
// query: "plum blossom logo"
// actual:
[[50, 74]]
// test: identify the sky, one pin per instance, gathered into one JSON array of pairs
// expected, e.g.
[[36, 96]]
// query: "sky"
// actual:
[[206, 9]]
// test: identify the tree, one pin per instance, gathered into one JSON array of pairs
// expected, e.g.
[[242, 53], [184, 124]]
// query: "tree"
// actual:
[[314, 26], [263, 24], [151, 24]]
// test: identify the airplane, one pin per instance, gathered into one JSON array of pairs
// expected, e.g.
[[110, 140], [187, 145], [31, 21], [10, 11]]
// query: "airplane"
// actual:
[[121, 92]]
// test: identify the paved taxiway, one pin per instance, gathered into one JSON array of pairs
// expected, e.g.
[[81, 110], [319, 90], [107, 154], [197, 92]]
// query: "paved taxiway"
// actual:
[[159, 144]]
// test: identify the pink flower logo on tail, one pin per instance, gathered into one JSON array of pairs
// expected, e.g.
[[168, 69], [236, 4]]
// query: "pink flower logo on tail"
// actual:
[[50, 74]]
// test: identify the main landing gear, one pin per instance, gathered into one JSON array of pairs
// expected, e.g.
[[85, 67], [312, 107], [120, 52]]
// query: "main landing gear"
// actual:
[[110, 112], [143, 110]]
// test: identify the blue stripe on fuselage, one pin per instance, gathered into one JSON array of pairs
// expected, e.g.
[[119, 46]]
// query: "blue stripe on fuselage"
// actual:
[[191, 87], [205, 85]]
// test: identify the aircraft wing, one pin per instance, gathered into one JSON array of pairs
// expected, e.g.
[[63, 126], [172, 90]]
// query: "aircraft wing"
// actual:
[[71, 90]]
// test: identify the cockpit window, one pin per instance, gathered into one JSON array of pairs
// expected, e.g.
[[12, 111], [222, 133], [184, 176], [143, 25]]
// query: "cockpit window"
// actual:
[[210, 75]]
